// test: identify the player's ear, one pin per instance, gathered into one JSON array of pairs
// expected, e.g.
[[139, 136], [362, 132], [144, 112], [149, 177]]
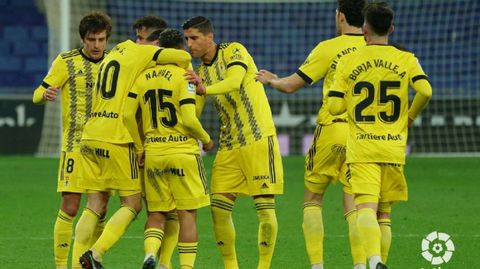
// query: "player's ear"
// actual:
[[392, 28], [210, 35], [364, 29]]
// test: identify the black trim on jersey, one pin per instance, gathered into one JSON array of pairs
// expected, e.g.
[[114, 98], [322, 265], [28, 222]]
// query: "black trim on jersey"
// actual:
[[353, 34], [132, 95], [90, 59], [155, 56], [214, 57], [45, 85], [237, 63], [419, 77], [304, 76], [336, 94], [187, 101]]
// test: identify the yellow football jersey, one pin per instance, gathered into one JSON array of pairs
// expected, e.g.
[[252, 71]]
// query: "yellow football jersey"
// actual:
[[322, 63], [116, 76], [160, 92], [245, 115], [374, 81], [75, 73]]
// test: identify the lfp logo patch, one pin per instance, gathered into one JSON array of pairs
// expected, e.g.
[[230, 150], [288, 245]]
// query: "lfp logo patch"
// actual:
[[437, 248]]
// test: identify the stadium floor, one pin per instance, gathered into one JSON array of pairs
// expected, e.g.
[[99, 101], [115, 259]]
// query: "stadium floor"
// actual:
[[444, 197]]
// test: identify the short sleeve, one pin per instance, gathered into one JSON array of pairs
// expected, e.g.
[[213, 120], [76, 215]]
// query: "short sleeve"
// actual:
[[315, 66]]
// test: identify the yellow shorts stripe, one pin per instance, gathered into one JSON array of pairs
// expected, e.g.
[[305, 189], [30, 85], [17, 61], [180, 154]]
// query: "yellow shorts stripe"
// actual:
[[202, 173], [133, 159], [313, 148], [271, 159]]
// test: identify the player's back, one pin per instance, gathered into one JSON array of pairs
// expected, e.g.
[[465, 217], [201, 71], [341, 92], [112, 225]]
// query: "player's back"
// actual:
[[322, 62], [378, 78], [161, 92], [116, 76], [245, 115]]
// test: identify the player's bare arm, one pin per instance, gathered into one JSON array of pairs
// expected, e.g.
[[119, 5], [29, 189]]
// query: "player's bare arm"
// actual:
[[288, 84]]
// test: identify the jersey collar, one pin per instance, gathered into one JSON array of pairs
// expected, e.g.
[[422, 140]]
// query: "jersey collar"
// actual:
[[353, 34], [214, 57], [90, 59]]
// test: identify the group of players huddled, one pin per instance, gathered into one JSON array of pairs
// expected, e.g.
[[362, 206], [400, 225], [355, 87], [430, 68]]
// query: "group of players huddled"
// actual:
[[131, 127]]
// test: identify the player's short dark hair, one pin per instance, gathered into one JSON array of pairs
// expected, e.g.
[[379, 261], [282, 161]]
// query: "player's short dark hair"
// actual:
[[379, 16], [95, 22], [353, 11], [202, 24], [150, 22], [168, 38]]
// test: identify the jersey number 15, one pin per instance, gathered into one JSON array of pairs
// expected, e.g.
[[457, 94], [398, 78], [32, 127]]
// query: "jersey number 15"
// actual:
[[158, 102]]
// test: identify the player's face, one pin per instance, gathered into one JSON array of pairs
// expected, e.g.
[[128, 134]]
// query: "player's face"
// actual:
[[197, 42], [94, 44], [142, 35]]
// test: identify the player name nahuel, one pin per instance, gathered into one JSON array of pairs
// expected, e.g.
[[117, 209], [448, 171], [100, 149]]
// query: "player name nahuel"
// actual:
[[165, 139], [387, 137], [159, 73], [379, 63]]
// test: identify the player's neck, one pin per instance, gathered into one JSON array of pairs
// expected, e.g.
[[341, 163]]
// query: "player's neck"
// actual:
[[377, 40], [208, 57], [347, 29]]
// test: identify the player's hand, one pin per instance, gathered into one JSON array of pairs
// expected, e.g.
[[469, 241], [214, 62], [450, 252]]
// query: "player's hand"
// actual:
[[192, 77], [208, 146], [141, 159], [265, 77], [51, 93]]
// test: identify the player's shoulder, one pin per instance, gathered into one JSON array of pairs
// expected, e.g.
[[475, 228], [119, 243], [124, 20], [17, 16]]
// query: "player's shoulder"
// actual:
[[70, 54], [231, 46]]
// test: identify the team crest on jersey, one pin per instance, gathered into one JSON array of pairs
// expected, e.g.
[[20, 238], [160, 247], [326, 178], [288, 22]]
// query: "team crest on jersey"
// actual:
[[191, 88]]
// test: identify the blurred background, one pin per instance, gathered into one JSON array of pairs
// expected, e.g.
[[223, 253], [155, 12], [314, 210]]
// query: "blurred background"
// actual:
[[444, 35]]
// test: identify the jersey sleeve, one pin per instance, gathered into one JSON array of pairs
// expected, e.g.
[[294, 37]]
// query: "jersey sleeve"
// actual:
[[236, 56], [188, 111], [130, 115], [337, 106], [315, 66], [178, 57], [56, 76], [419, 82]]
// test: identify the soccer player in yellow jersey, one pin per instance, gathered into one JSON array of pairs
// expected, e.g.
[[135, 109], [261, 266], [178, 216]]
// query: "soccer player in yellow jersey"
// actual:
[[325, 161], [107, 147], [372, 84], [248, 160], [73, 74], [147, 30], [174, 173]]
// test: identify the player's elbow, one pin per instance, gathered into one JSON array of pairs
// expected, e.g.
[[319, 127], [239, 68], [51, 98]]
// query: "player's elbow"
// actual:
[[336, 104]]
